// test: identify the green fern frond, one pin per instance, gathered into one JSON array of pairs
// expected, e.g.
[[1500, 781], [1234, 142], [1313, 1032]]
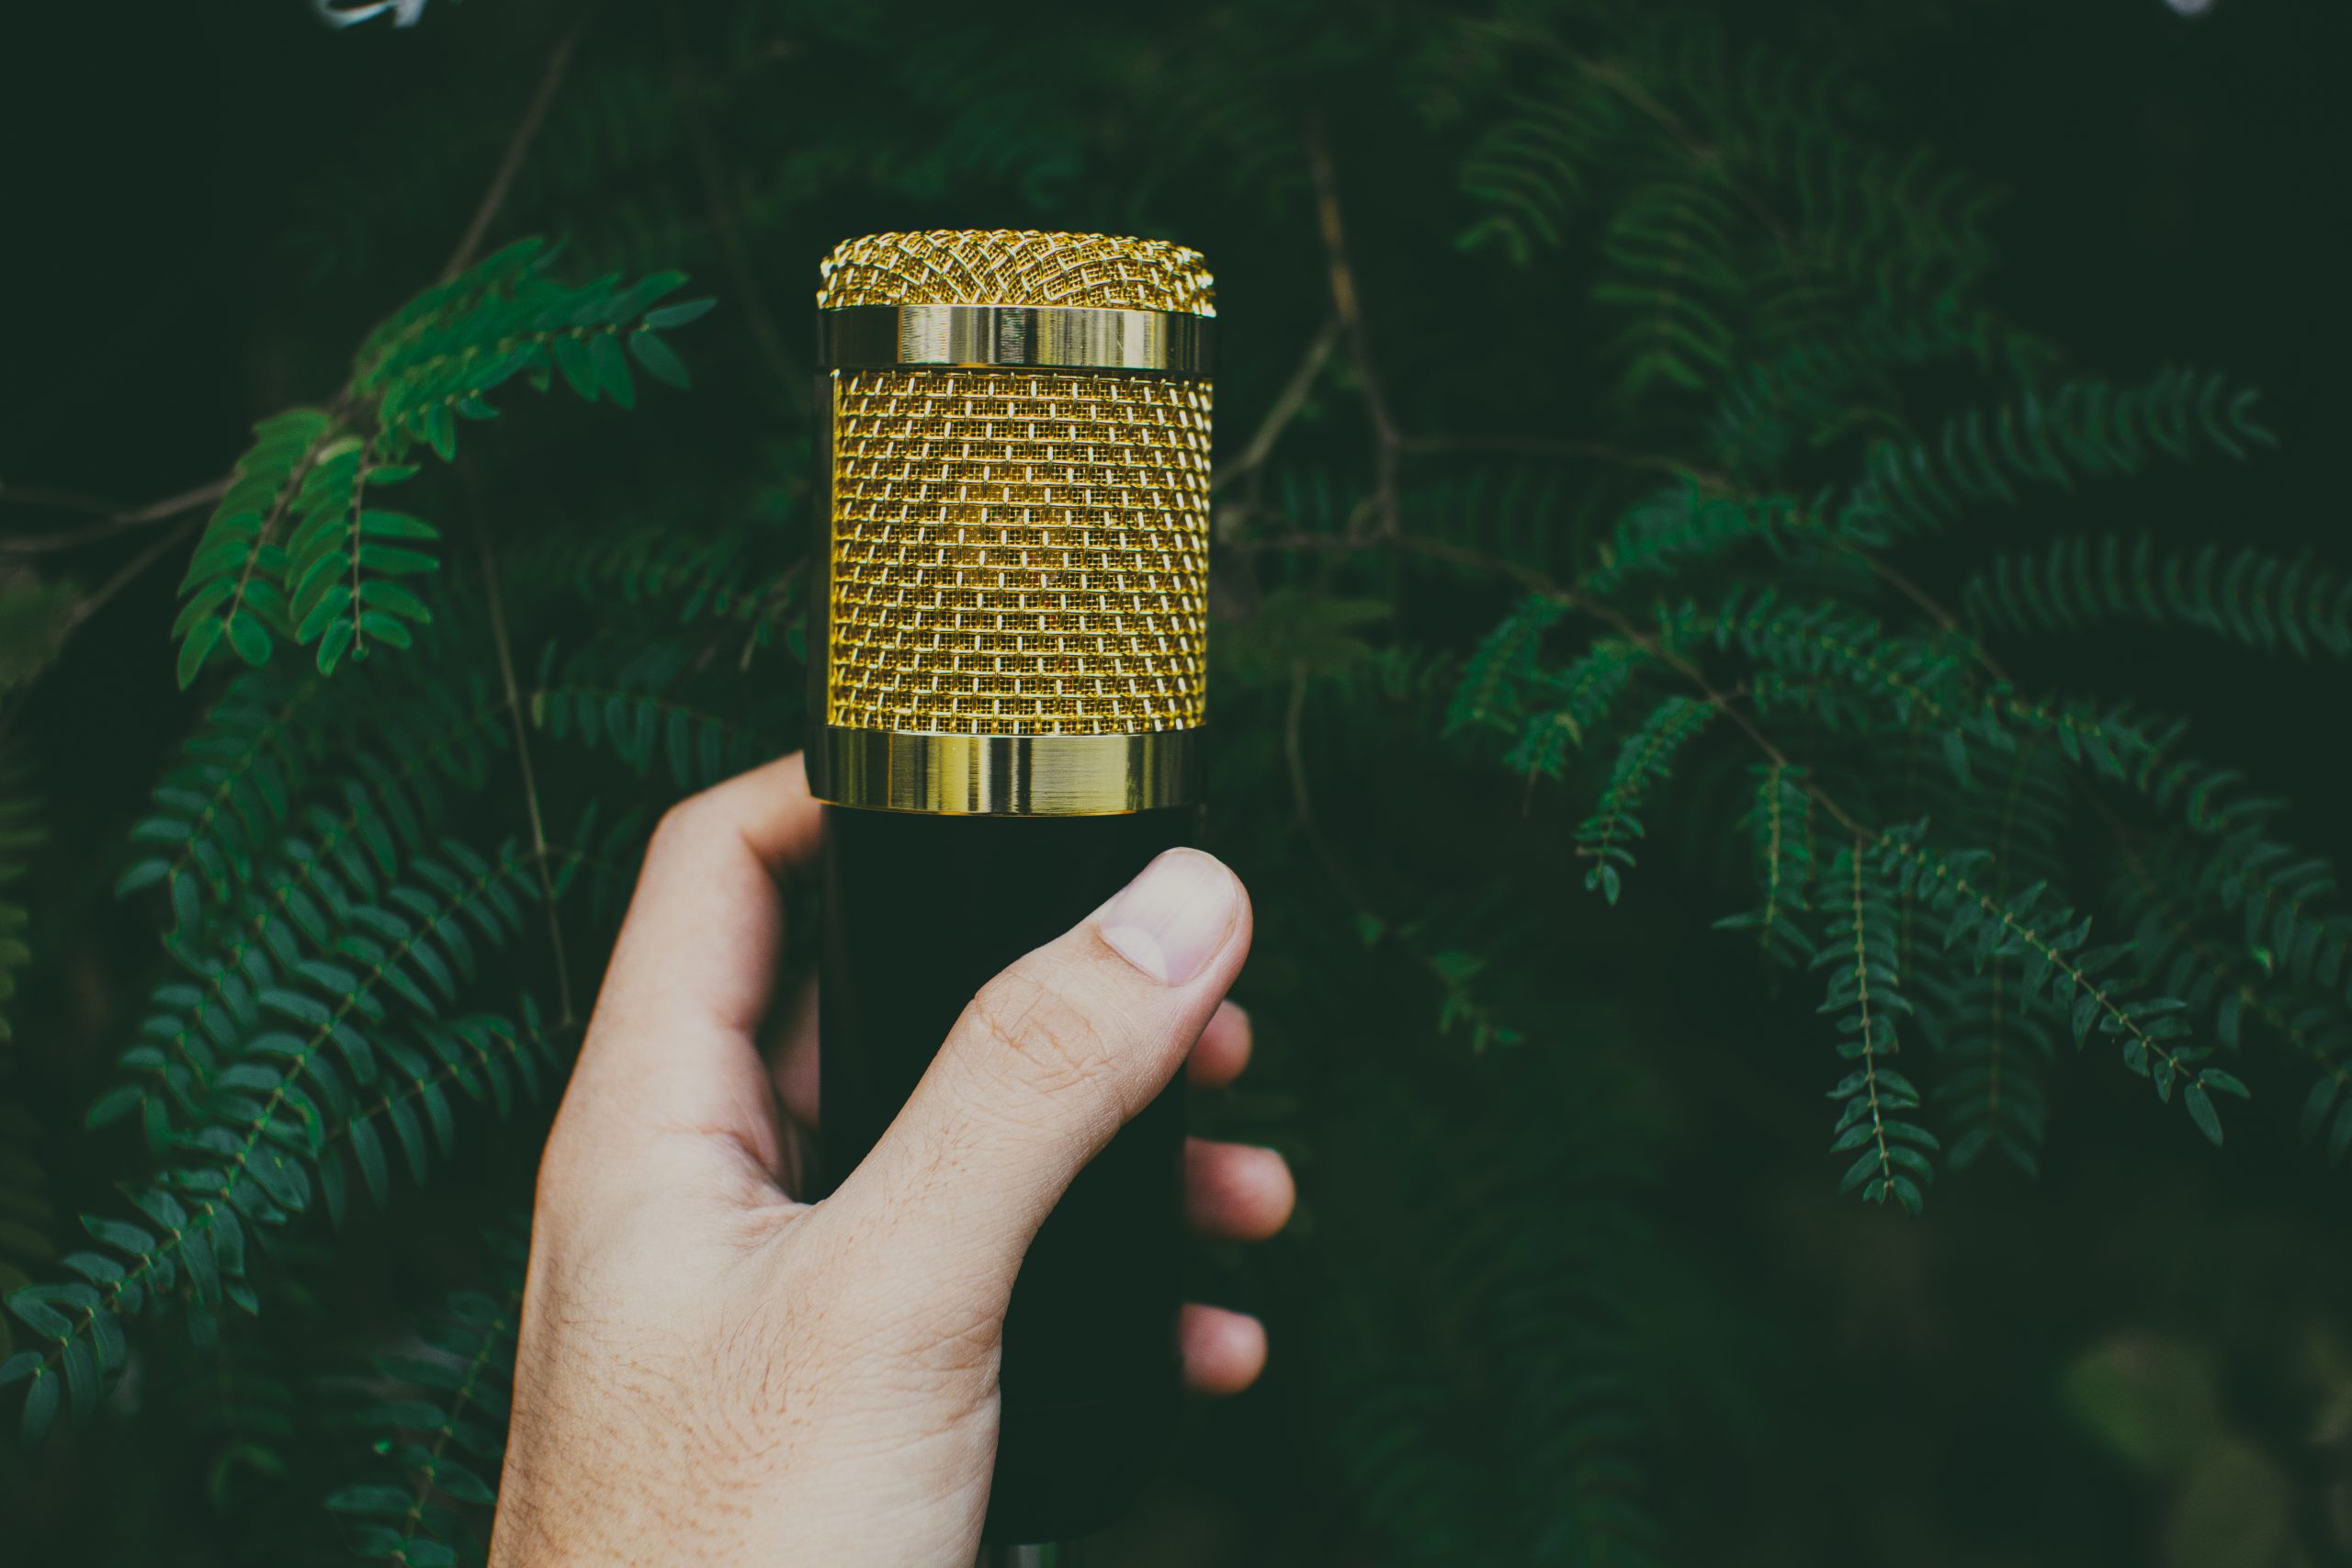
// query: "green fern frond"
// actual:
[[696, 581], [1884, 226], [1671, 253], [295, 552], [1437, 1506], [1643, 763], [344, 558], [2319, 1033], [1531, 167], [1492, 692], [1865, 993], [329, 863], [2277, 894], [2086, 429], [1849, 669], [1845, 223], [1780, 826], [1816, 392], [1575, 1423], [1220, 96], [222, 806], [2083, 984], [2209, 799], [1526, 1444], [1997, 1054], [1513, 514], [234, 589], [2249, 596], [485, 1058], [441, 1437], [2230, 987], [203, 1213], [245, 1408], [1994, 1050], [639, 706], [1573, 704], [1673, 529], [258, 1148], [441, 357]]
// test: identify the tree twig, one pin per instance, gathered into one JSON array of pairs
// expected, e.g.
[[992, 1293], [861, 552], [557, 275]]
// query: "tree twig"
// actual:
[[515, 713], [1285, 407], [733, 249], [1544, 446], [509, 164], [130, 569], [1347, 303], [113, 521]]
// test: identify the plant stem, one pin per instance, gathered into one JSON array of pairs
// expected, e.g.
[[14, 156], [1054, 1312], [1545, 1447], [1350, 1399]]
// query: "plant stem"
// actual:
[[509, 164]]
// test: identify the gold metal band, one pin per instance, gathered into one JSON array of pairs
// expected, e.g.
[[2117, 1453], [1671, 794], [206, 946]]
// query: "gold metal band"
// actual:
[[880, 338], [1006, 775]]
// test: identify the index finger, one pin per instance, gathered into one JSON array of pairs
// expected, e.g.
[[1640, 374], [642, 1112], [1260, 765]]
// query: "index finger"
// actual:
[[672, 1044]]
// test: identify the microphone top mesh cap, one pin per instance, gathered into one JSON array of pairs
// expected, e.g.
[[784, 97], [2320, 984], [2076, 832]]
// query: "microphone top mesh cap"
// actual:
[[1016, 267]]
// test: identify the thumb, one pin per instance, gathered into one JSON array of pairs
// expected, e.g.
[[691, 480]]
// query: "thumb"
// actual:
[[1049, 1060]]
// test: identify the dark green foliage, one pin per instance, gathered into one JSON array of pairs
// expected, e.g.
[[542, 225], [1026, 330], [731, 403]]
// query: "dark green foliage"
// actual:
[[2083, 429], [1780, 825], [296, 550], [1858, 949], [27, 1219], [1642, 762], [2247, 596], [437, 1422], [20, 833], [2083, 985], [640, 706], [36, 616], [1997, 1048], [1630, 444], [1506, 1310]]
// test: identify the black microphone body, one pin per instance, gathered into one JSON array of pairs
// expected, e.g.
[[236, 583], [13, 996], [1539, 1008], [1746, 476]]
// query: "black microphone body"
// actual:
[[1009, 686], [920, 912]]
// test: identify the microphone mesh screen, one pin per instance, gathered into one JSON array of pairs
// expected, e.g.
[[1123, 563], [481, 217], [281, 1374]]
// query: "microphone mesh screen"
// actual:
[[1016, 267], [1018, 552]]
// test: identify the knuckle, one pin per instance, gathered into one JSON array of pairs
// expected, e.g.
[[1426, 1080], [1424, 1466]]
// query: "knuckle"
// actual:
[[1037, 1030], [680, 821]]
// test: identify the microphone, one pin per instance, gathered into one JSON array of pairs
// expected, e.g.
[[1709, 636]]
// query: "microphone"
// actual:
[[1009, 686]]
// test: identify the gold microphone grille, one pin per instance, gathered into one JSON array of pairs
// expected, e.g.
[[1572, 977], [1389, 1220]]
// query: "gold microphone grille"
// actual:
[[1016, 267], [1017, 551]]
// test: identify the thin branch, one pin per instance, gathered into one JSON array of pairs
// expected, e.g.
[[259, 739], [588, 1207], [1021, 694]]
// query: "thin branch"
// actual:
[[1291, 397], [60, 500], [113, 521], [733, 249], [130, 569], [1919, 596], [1387, 441], [1596, 451], [514, 710], [518, 144]]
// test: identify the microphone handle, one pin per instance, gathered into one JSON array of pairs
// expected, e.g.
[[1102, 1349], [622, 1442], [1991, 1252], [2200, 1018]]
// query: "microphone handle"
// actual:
[[921, 910]]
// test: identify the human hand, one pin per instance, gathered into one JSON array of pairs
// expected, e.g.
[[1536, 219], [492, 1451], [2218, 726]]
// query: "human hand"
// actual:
[[713, 1372]]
